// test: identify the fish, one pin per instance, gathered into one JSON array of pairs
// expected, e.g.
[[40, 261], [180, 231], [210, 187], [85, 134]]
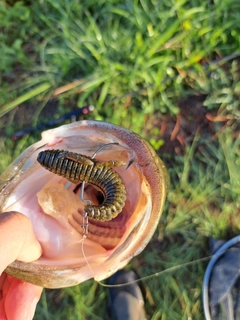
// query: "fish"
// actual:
[[75, 247]]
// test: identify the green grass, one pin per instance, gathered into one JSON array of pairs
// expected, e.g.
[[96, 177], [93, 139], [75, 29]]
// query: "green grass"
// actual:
[[114, 49], [134, 61]]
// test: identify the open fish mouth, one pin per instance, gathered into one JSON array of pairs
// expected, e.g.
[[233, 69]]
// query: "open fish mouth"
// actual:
[[58, 215]]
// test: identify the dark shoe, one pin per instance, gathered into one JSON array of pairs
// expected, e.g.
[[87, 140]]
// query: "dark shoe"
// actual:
[[126, 301]]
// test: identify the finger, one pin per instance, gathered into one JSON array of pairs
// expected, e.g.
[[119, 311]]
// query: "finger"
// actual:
[[17, 239], [21, 300], [2, 311], [6, 285], [3, 284]]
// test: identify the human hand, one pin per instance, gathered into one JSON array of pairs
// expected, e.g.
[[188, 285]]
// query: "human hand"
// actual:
[[18, 299]]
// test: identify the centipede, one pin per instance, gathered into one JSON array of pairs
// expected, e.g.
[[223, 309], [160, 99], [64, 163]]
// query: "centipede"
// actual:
[[78, 168]]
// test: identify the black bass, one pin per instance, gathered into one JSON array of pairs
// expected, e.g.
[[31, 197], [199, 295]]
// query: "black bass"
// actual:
[[53, 202]]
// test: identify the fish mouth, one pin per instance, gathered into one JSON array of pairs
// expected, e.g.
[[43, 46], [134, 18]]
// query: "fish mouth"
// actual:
[[56, 210], [106, 233]]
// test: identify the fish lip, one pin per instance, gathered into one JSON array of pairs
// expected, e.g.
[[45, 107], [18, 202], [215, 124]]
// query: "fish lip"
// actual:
[[156, 176]]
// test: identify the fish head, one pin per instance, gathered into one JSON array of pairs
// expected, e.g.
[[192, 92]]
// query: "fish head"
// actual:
[[76, 247]]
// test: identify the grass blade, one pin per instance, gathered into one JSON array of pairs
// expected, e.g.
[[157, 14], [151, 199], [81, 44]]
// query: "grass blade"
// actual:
[[26, 96]]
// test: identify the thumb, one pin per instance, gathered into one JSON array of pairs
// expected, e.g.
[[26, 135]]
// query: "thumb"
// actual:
[[17, 238]]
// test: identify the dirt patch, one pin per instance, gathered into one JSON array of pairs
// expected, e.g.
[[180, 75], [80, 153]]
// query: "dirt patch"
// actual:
[[179, 131]]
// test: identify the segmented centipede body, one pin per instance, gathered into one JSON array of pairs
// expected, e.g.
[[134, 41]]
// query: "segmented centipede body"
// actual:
[[76, 168]]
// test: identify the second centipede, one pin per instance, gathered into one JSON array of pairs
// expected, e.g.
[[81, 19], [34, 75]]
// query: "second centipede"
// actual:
[[77, 168]]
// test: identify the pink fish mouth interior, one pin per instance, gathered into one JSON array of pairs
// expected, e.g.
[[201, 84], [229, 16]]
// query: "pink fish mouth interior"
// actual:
[[55, 209], [108, 233]]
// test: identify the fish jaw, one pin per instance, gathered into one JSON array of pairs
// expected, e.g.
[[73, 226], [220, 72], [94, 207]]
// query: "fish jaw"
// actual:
[[68, 259]]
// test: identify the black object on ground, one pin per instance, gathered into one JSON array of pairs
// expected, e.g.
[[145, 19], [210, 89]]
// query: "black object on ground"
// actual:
[[126, 301], [221, 286]]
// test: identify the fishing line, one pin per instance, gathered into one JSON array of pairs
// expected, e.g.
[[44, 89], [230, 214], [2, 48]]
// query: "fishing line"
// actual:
[[205, 294], [84, 255], [157, 274]]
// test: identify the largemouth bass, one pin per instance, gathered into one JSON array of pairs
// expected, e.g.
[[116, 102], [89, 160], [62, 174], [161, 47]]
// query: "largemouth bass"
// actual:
[[58, 215]]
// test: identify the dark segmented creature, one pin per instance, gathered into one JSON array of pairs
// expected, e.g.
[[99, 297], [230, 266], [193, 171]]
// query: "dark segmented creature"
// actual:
[[77, 168]]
